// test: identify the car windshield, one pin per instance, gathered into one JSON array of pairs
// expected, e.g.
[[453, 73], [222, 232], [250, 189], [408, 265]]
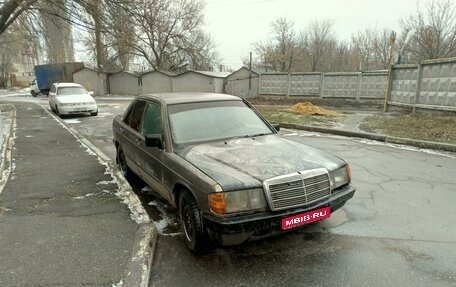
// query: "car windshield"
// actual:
[[197, 122], [71, 91]]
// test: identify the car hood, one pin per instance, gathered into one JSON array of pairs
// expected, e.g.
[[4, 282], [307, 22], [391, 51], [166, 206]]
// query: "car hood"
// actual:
[[245, 163], [74, 99]]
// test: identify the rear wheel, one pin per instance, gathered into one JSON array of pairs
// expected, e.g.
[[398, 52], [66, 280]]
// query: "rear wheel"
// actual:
[[122, 163], [195, 236], [34, 94]]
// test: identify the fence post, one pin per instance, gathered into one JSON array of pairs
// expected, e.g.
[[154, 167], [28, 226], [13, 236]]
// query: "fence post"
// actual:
[[322, 85], [260, 85], [288, 85], [418, 86], [388, 87], [358, 86]]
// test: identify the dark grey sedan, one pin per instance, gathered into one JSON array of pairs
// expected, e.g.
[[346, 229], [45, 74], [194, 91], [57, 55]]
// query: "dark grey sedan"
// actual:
[[231, 176]]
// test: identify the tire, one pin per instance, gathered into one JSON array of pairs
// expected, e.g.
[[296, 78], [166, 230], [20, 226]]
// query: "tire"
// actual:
[[34, 94], [195, 236], [52, 109], [122, 164], [94, 113], [57, 111]]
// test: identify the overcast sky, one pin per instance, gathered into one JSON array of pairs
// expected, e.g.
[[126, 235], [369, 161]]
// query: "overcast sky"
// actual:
[[236, 24]]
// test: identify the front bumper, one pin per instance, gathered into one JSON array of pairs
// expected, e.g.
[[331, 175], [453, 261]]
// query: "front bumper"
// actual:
[[238, 229], [78, 109]]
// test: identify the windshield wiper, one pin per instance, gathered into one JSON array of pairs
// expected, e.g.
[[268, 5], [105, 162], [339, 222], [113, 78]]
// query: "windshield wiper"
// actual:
[[258, 135]]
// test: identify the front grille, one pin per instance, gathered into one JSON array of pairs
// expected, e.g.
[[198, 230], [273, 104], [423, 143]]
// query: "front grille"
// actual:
[[297, 189]]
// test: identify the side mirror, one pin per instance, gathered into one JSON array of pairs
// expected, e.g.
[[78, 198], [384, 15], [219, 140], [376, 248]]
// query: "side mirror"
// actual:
[[276, 126], [91, 93], [154, 140]]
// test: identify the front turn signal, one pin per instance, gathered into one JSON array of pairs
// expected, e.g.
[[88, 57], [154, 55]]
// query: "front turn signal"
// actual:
[[217, 202]]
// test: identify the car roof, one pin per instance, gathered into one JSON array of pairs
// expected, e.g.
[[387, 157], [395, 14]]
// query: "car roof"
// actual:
[[190, 97], [59, 85]]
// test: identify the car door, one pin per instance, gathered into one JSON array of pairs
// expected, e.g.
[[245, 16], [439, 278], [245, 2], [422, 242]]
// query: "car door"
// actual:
[[51, 96], [152, 157], [132, 135]]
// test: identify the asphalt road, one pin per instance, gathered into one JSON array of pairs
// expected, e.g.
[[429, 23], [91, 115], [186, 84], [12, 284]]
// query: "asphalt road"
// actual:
[[398, 230]]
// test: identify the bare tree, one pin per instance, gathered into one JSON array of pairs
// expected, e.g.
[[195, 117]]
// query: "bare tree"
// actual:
[[281, 49], [434, 31], [382, 48], [168, 34], [364, 45], [10, 10], [371, 48], [320, 42], [57, 32]]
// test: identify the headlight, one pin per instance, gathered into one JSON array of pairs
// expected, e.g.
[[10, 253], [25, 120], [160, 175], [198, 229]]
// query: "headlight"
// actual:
[[237, 201], [340, 177]]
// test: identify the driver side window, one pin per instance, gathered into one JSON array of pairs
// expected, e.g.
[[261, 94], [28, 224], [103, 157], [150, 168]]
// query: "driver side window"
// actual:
[[152, 123]]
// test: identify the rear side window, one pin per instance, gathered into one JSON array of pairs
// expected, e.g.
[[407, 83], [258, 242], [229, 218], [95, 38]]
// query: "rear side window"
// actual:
[[134, 115]]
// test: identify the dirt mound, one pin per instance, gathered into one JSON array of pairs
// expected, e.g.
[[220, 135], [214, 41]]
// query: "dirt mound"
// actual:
[[310, 109]]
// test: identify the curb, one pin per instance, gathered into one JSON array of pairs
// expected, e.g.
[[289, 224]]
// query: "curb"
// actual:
[[376, 137], [6, 146]]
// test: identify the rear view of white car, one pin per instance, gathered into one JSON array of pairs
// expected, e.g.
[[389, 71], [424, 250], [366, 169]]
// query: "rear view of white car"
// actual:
[[71, 98]]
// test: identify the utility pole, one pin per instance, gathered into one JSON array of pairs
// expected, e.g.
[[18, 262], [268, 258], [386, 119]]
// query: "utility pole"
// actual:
[[390, 69], [250, 72]]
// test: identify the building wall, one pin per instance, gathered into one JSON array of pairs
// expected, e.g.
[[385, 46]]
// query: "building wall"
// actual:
[[156, 82], [124, 84], [194, 82], [92, 81], [238, 84]]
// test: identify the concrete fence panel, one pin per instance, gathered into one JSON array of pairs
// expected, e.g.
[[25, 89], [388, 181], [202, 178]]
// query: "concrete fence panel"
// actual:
[[430, 85], [373, 85], [438, 84], [307, 84], [340, 85], [274, 84], [404, 84]]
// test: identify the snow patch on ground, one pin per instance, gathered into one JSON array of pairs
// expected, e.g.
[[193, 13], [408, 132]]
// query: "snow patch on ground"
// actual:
[[72, 121], [8, 140], [120, 284], [166, 220], [106, 182], [84, 196]]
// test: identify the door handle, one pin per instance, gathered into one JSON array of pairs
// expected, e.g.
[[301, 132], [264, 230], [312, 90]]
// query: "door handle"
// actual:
[[138, 141], [121, 130]]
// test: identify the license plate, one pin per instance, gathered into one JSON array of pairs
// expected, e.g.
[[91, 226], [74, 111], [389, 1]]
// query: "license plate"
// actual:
[[306, 218]]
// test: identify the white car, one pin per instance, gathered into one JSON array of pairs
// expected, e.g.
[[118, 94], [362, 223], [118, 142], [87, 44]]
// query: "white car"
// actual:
[[71, 98]]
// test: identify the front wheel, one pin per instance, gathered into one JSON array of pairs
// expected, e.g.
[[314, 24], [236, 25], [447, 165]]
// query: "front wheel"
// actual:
[[195, 236], [94, 113], [122, 163]]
